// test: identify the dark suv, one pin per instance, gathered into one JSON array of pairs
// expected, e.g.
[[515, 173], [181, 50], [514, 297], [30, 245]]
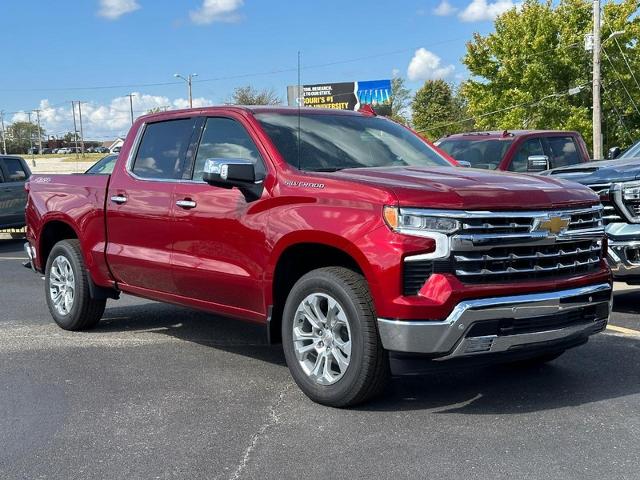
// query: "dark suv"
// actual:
[[13, 174], [517, 150]]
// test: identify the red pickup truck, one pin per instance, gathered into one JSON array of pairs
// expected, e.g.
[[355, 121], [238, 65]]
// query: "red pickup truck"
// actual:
[[517, 150], [350, 238]]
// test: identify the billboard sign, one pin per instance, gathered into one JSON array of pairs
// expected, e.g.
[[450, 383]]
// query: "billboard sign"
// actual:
[[344, 96]]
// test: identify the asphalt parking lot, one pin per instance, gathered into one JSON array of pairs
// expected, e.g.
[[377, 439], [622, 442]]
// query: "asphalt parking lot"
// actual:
[[164, 392]]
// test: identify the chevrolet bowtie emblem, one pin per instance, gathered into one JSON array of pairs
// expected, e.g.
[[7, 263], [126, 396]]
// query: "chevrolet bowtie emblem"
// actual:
[[554, 224]]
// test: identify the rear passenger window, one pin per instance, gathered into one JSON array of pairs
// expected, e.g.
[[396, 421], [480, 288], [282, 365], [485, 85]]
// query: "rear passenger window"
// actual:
[[225, 138], [162, 149], [14, 170], [563, 151]]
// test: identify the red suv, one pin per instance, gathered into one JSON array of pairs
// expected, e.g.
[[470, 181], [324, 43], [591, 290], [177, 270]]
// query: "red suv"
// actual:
[[517, 150]]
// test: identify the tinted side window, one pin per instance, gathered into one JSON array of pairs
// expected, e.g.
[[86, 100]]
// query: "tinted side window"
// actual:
[[530, 147], [563, 151], [13, 170], [225, 138], [162, 149]]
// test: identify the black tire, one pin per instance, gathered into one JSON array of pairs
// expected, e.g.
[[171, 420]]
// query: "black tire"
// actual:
[[368, 370], [536, 361], [85, 312]]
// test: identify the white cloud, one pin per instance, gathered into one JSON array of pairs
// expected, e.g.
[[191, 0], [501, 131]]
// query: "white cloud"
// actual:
[[426, 65], [103, 121], [479, 10], [216, 11], [114, 9], [444, 9]]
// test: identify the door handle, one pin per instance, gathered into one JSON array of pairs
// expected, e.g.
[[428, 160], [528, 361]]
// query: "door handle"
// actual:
[[186, 204], [119, 199]]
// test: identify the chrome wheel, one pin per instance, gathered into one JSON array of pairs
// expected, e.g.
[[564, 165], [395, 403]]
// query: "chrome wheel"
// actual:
[[62, 285], [322, 338]]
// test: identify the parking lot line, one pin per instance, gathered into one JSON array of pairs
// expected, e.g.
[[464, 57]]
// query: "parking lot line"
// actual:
[[626, 331], [13, 258]]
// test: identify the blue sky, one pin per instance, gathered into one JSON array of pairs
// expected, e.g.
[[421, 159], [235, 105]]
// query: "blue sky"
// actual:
[[55, 52]]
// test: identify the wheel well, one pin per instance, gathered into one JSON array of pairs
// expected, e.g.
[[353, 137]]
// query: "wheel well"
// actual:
[[294, 262], [51, 234]]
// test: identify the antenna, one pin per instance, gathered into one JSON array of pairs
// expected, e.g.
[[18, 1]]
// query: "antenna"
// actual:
[[300, 100]]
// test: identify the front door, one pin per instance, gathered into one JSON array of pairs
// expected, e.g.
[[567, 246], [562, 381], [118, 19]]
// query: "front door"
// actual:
[[140, 206], [219, 244]]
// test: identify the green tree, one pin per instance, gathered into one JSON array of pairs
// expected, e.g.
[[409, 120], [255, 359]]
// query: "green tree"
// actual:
[[22, 135], [248, 95], [400, 101], [438, 110], [533, 71]]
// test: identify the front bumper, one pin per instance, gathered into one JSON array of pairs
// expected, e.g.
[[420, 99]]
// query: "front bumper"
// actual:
[[624, 251], [501, 324]]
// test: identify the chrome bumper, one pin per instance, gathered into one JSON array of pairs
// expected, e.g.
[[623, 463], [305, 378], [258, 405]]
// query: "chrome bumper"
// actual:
[[624, 251], [30, 252], [453, 337]]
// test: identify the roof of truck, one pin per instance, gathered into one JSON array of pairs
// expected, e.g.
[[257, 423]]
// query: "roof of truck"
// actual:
[[503, 134], [252, 109]]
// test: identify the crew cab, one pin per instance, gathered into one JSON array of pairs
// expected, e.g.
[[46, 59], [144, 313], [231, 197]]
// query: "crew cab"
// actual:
[[14, 172], [517, 150], [347, 236], [618, 184]]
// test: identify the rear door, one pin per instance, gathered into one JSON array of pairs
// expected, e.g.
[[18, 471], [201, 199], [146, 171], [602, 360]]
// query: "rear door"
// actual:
[[12, 193], [140, 205]]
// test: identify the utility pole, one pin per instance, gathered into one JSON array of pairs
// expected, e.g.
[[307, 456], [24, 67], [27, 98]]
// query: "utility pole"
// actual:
[[75, 129], [81, 132], [4, 142], [131, 95], [39, 132], [597, 106], [30, 137]]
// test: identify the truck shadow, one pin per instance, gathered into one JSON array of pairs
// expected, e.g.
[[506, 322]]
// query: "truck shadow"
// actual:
[[607, 367], [627, 301]]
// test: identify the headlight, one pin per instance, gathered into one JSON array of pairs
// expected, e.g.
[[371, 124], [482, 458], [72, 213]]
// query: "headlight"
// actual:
[[627, 197], [417, 222], [427, 224], [631, 191]]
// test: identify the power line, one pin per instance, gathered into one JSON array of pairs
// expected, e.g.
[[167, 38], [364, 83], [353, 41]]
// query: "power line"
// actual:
[[627, 62], [621, 82]]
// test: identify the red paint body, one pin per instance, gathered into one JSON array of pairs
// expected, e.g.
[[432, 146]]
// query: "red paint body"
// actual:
[[222, 256]]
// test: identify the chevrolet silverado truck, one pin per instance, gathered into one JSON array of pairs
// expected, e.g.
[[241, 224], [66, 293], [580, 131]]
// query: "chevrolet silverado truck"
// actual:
[[347, 236], [617, 182], [523, 151]]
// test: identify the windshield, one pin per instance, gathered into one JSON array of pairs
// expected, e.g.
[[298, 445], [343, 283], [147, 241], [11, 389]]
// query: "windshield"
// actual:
[[632, 151], [480, 153], [332, 142]]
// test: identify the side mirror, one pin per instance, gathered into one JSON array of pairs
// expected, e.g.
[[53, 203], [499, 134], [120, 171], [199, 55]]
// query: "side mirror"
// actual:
[[232, 172], [537, 163], [464, 163], [614, 152]]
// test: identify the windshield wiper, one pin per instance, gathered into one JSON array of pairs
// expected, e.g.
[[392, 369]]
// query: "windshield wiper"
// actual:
[[326, 169]]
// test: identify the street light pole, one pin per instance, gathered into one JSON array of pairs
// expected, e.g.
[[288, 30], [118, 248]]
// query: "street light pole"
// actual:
[[597, 81], [131, 95], [189, 80]]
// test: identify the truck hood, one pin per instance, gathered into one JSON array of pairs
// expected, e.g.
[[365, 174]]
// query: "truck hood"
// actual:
[[468, 188], [600, 171]]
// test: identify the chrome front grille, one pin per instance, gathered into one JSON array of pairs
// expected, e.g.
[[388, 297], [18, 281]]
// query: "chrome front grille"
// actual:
[[503, 264], [502, 247], [610, 213]]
